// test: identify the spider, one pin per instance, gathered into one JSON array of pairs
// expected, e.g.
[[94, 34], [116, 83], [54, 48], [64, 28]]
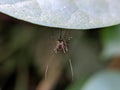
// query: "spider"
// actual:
[[61, 46]]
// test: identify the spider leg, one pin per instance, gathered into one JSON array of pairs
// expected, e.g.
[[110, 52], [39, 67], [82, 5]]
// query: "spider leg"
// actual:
[[64, 51], [71, 68], [66, 48], [47, 67], [46, 71]]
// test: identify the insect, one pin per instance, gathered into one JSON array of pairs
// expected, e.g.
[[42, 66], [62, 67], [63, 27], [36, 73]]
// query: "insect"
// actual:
[[61, 46]]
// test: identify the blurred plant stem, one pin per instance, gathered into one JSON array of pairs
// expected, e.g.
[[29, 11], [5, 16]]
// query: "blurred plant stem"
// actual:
[[6, 70], [22, 70]]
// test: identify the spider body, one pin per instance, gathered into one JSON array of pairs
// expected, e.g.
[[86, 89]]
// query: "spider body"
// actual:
[[61, 45]]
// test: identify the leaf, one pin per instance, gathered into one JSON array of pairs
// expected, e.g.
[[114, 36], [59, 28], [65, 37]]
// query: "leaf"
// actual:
[[72, 14], [104, 80]]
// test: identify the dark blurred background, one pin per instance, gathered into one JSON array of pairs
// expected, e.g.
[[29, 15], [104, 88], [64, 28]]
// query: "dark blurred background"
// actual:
[[25, 50]]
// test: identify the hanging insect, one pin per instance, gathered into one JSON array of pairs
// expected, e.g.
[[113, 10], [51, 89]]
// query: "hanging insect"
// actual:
[[61, 44], [62, 47]]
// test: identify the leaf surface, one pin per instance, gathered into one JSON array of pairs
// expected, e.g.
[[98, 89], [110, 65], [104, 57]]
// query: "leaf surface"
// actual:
[[71, 14]]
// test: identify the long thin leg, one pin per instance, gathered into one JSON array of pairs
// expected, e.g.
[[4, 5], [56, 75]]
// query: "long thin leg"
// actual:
[[47, 67], [46, 71], [71, 68]]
